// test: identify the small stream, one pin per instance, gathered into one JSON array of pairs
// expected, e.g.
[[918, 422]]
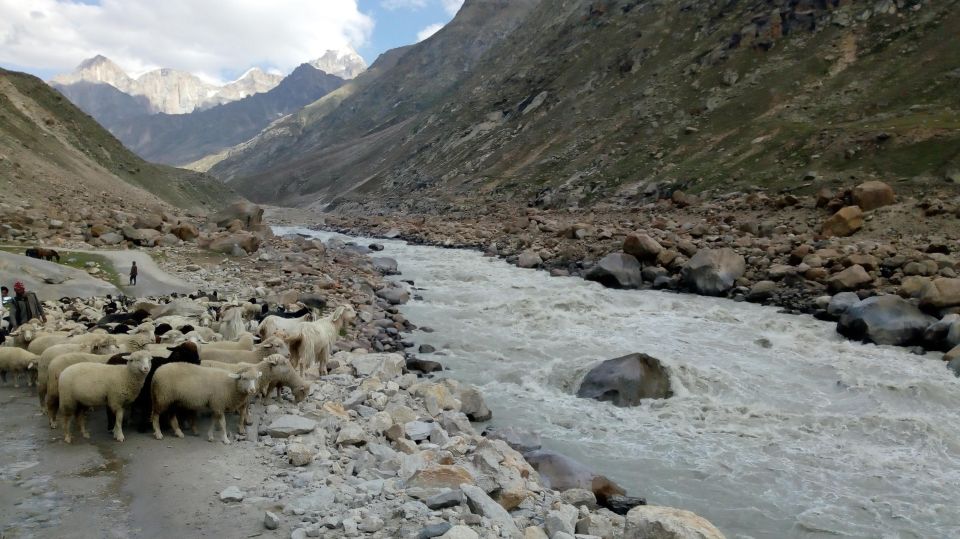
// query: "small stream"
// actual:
[[779, 427]]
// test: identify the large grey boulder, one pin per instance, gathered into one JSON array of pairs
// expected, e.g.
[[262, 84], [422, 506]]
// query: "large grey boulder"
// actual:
[[483, 505], [841, 302], [656, 522], [616, 270], [394, 295], [712, 272], [885, 319], [627, 380]]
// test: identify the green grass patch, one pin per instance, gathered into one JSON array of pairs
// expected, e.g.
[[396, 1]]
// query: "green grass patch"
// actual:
[[79, 261]]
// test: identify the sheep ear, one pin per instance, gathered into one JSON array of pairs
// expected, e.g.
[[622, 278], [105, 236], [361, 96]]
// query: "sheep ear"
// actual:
[[268, 345], [338, 313], [234, 375], [30, 366], [259, 374]]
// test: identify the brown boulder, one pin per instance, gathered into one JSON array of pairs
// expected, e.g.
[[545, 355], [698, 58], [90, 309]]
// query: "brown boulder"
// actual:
[[844, 223], [141, 236], [440, 476], [940, 294], [250, 215], [148, 220], [852, 278], [642, 246], [186, 231], [235, 243], [98, 230], [873, 195]]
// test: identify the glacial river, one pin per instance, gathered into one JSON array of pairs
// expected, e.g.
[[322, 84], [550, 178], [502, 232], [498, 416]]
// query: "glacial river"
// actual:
[[779, 427]]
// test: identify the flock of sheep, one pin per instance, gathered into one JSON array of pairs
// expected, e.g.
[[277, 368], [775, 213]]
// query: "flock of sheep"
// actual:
[[169, 359]]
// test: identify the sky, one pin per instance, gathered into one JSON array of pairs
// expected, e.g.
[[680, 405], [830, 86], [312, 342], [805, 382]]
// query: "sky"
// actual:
[[217, 40]]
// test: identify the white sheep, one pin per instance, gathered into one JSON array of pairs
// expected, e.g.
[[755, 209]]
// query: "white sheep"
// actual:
[[86, 385], [245, 342], [203, 334], [57, 366], [198, 388], [274, 369], [312, 341], [272, 345], [40, 343], [100, 345], [272, 324], [137, 339], [232, 324], [17, 361]]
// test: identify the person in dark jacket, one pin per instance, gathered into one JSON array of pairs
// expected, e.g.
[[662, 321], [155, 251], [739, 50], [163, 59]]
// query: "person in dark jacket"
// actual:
[[24, 307], [133, 274]]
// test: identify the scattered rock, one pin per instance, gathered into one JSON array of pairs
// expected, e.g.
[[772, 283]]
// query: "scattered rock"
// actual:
[[712, 272], [657, 522], [290, 425], [884, 319], [616, 270], [872, 195], [844, 223], [231, 494]]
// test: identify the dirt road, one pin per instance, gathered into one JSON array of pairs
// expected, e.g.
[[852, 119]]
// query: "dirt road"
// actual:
[[151, 280], [98, 488]]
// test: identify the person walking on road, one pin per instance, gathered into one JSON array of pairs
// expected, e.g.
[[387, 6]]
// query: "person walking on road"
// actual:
[[24, 307], [133, 274]]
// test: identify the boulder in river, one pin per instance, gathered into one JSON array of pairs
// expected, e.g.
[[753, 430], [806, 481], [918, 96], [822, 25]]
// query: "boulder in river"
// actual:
[[561, 472], [885, 319], [627, 380], [712, 272], [385, 265], [616, 270], [642, 246]]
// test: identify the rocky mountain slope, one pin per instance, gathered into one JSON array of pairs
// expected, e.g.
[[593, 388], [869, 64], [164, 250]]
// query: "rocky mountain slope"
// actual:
[[178, 139], [167, 90], [52, 154], [566, 103]]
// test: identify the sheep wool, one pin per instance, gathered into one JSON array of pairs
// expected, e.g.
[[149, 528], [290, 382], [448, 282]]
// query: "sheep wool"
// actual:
[[85, 385], [198, 388], [18, 362], [311, 342], [270, 346]]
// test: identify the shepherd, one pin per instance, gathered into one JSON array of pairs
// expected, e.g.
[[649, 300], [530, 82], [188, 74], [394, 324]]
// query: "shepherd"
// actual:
[[24, 307], [133, 274]]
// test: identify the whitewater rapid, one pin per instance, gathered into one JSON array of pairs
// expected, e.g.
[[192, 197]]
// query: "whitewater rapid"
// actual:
[[779, 427]]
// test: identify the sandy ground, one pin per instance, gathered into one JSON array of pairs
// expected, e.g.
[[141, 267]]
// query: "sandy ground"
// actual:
[[141, 488]]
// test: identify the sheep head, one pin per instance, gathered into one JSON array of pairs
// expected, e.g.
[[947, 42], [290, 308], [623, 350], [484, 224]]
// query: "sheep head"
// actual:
[[247, 380], [274, 345], [139, 362], [103, 345]]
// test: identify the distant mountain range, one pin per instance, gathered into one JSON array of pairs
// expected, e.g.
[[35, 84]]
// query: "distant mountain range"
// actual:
[[54, 156], [173, 117]]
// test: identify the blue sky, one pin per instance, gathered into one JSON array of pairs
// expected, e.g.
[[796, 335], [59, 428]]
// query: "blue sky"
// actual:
[[215, 39]]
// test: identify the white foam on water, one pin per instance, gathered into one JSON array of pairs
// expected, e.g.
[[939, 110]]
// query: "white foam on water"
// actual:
[[813, 436]]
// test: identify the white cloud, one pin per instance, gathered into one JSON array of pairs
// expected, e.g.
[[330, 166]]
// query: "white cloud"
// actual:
[[206, 38], [429, 31], [403, 4], [451, 6]]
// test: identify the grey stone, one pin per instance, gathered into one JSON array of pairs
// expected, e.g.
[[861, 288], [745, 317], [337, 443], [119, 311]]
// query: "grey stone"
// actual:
[[318, 500], [483, 505], [616, 270], [384, 265], [447, 498], [395, 295], [418, 430], [712, 272], [290, 425], [841, 302], [563, 519], [351, 434], [885, 319], [460, 532], [271, 521], [232, 494], [434, 530]]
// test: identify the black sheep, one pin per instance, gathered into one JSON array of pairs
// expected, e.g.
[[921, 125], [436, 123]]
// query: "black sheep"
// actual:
[[162, 329], [135, 318], [120, 329]]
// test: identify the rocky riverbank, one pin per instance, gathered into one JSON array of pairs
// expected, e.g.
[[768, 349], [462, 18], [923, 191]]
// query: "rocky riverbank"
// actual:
[[806, 254], [378, 449]]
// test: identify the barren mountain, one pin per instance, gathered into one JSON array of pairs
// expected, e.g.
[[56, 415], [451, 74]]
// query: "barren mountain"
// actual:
[[53, 154], [177, 139], [570, 102]]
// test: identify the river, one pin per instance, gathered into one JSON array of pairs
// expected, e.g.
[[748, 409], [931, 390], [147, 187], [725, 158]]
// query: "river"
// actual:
[[778, 427]]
